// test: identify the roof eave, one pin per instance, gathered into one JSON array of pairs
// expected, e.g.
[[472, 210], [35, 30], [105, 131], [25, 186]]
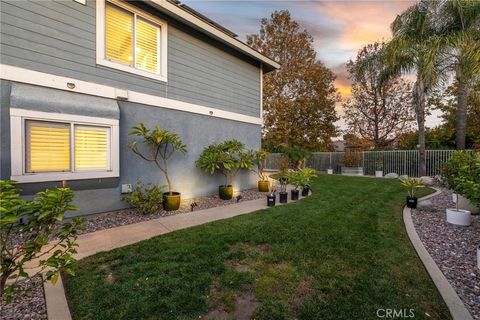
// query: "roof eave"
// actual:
[[186, 17]]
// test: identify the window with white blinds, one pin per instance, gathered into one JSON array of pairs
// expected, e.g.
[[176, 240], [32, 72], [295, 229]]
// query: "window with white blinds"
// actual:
[[91, 148], [131, 39], [47, 146], [50, 147]]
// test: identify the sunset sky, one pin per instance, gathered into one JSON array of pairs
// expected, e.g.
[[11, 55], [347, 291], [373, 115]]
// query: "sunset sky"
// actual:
[[340, 28]]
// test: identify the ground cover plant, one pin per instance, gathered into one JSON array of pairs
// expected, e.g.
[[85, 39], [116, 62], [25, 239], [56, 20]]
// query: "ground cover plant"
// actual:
[[341, 253]]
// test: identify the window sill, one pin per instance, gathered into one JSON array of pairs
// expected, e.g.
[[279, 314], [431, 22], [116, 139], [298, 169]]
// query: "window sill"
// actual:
[[118, 66], [60, 176]]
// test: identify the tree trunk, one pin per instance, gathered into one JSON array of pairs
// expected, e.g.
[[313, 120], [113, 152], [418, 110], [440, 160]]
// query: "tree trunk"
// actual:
[[461, 119], [422, 168]]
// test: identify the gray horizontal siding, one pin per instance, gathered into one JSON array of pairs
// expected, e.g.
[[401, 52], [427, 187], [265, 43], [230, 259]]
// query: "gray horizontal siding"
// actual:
[[58, 37]]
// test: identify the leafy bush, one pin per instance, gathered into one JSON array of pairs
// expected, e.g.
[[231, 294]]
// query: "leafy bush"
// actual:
[[227, 158], [302, 177], [352, 159], [147, 199], [43, 221], [297, 156], [461, 173]]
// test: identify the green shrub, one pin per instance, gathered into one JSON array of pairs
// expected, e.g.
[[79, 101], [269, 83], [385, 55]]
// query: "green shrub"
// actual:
[[146, 198], [42, 221], [461, 173], [227, 158], [297, 156]]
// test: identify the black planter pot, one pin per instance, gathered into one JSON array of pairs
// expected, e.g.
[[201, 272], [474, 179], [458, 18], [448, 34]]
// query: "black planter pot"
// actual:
[[305, 191], [283, 197], [271, 200], [295, 194], [225, 192], [412, 202]]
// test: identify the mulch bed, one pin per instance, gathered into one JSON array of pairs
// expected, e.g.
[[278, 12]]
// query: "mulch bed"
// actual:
[[452, 247], [119, 218]]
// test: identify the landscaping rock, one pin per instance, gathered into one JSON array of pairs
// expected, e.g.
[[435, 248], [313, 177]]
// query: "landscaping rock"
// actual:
[[391, 175], [428, 181], [425, 204], [452, 247], [29, 304]]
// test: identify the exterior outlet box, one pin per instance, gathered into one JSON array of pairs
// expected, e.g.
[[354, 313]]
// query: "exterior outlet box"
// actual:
[[126, 188]]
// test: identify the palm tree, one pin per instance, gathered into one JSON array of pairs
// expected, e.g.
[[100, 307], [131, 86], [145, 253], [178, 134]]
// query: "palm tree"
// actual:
[[415, 48], [459, 24]]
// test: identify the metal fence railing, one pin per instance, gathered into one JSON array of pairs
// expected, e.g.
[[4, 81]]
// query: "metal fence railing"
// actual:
[[402, 162]]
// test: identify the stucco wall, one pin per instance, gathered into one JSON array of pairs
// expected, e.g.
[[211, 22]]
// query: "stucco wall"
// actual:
[[197, 131]]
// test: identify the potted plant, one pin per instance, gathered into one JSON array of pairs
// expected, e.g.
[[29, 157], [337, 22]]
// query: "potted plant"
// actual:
[[294, 179], [258, 168], [352, 163], [461, 173], [271, 196], [305, 177], [379, 168], [411, 184], [158, 147], [227, 158], [283, 194]]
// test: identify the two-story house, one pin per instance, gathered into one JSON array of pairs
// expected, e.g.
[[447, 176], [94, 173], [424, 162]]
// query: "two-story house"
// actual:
[[76, 75]]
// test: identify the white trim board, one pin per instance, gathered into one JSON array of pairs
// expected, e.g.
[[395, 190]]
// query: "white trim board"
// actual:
[[18, 74]]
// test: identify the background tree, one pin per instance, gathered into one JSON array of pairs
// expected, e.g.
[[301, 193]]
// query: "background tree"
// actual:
[[415, 47], [299, 99], [446, 100], [378, 112], [459, 25]]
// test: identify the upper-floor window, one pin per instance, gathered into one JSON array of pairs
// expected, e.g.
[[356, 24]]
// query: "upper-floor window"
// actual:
[[131, 40]]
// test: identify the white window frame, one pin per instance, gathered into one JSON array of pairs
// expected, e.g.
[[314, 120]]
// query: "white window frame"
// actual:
[[163, 44], [18, 143]]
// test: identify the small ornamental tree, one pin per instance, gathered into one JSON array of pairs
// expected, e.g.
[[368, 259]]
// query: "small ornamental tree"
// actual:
[[258, 167], [227, 158], [158, 146], [42, 218], [461, 174]]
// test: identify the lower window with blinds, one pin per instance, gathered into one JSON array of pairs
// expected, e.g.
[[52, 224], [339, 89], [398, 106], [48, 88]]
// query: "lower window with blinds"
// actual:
[[66, 147]]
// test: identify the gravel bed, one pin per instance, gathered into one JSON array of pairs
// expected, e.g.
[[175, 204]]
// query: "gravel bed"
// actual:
[[128, 216], [452, 247], [29, 304]]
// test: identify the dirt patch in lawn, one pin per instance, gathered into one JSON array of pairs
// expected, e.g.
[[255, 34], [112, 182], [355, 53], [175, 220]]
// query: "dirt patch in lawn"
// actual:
[[252, 281]]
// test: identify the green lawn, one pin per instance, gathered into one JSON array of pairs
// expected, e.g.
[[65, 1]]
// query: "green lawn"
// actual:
[[342, 253]]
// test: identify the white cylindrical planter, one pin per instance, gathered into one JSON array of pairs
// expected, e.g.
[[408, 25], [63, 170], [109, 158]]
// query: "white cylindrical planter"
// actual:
[[379, 173], [459, 217], [478, 257], [465, 204], [330, 171]]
